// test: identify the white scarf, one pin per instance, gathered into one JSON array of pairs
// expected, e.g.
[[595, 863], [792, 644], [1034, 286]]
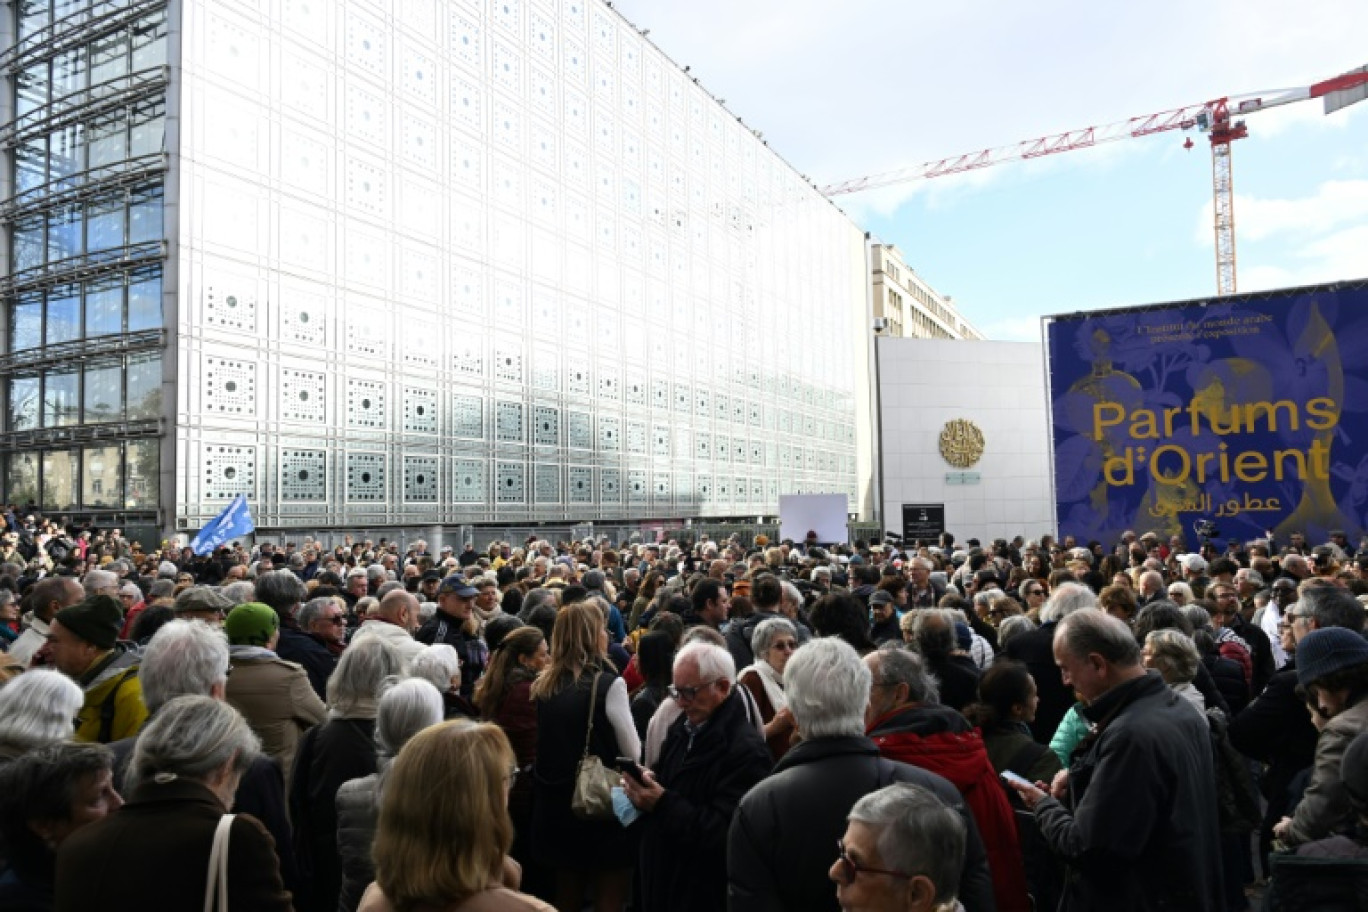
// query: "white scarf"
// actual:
[[774, 685]]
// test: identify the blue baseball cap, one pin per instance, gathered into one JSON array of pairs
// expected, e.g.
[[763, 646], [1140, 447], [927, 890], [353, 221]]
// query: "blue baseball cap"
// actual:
[[457, 586]]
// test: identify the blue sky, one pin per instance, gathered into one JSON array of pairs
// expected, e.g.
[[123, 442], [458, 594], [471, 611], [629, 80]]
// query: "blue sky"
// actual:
[[842, 88]]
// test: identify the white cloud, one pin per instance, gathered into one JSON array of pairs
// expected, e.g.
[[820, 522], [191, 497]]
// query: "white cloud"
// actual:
[[1334, 204], [1335, 257]]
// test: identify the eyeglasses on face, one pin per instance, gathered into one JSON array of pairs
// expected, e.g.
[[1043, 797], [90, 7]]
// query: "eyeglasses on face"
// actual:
[[688, 693], [786, 645], [337, 619], [847, 869]]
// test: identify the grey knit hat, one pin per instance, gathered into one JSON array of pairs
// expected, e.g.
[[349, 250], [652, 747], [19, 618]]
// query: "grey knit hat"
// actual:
[[1328, 650]]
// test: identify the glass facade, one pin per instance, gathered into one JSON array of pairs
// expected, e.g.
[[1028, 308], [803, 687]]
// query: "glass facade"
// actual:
[[469, 261], [514, 265], [83, 300]]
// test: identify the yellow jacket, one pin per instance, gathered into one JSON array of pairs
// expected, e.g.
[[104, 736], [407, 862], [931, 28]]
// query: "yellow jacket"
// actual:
[[116, 683]]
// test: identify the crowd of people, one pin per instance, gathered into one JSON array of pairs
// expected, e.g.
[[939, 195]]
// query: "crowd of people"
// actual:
[[682, 725]]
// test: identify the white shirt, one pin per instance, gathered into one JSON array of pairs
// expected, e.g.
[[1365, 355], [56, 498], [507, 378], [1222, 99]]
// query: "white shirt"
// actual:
[[1272, 617], [29, 642]]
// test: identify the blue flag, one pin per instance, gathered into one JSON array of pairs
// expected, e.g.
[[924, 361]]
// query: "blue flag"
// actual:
[[235, 520]]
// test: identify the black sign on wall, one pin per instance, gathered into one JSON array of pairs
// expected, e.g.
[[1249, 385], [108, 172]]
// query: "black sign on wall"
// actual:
[[922, 522]]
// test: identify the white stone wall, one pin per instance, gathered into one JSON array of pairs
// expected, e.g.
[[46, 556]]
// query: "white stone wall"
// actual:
[[1000, 386]]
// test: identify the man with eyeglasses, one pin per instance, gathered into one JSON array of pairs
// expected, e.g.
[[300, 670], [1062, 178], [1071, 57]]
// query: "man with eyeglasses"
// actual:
[[1227, 616], [712, 756], [902, 849], [325, 621]]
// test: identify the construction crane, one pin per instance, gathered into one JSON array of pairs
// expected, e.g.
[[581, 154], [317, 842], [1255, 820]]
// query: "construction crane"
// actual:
[[1214, 118]]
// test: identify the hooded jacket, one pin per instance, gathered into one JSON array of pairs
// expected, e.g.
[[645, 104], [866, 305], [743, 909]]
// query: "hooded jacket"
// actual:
[[940, 740], [113, 707]]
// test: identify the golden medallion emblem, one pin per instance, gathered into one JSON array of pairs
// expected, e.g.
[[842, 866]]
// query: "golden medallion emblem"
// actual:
[[961, 443]]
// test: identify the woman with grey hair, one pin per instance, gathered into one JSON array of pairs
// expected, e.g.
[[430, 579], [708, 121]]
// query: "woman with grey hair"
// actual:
[[440, 665], [908, 834], [773, 641], [184, 773], [339, 750], [1172, 654], [36, 709], [1013, 626], [406, 708]]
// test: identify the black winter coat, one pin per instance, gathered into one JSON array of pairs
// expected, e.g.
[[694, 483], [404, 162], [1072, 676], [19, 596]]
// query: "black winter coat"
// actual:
[[297, 646], [1229, 679], [1260, 653], [684, 842], [1276, 729], [330, 754], [783, 837], [1035, 648], [1141, 831], [474, 654]]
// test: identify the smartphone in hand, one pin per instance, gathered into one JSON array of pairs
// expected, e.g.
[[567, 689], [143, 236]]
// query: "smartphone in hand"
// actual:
[[1012, 778], [630, 768]]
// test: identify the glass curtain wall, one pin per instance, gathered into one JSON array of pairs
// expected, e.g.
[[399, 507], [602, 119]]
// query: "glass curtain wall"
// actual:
[[84, 296]]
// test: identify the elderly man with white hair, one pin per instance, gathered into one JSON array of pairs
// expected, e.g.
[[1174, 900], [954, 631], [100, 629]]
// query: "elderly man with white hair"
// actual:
[[784, 834], [101, 582], [712, 756], [191, 658]]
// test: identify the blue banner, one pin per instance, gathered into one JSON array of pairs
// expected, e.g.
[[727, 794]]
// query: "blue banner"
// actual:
[[1249, 413], [235, 520]]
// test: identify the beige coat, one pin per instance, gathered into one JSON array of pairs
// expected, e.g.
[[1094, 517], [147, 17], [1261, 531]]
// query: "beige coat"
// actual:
[[275, 698], [1324, 807]]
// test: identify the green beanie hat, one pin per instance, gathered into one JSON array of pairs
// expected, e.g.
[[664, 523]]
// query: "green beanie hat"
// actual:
[[95, 619], [251, 624]]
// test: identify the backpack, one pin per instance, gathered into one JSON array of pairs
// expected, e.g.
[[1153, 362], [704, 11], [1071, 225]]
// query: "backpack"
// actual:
[[108, 709], [1237, 798]]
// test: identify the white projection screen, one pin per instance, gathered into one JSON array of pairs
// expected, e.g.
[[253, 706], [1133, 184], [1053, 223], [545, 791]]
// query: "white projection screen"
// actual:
[[824, 514]]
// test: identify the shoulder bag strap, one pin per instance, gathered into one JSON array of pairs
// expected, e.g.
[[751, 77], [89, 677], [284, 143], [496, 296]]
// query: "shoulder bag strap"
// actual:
[[593, 700], [216, 885]]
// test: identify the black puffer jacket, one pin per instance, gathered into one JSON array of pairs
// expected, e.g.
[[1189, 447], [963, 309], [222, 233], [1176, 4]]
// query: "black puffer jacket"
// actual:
[[357, 810], [783, 837]]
